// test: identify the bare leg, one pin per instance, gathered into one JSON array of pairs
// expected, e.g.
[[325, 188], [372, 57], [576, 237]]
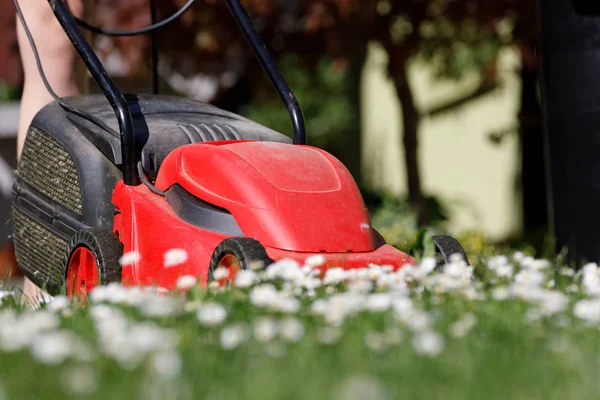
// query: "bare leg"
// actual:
[[58, 57]]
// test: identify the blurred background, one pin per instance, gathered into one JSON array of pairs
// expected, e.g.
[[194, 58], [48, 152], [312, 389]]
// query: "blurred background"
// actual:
[[431, 104]]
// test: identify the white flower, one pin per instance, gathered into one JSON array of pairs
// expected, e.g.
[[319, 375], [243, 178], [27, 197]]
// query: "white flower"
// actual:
[[291, 330], [501, 293], [496, 261], [426, 266], [572, 288], [220, 274], [58, 303], [588, 310], [334, 276], [540, 264], [315, 261], [286, 269], [527, 262], [175, 257], [166, 363], [529, 277], [100, 312], [518, 256], [471, 293], [319, 307], [360, 286], [232, 336], [263, 295], [310, 283], [146, 337], [504, 271], [291, 271], [256, 265], [456, 258], [460, 271], [155, 306], [591, 279], [40, 320], [330, 290], [186, 282], [428, 343], [245, 278], [211, 314], [51, 347], [386, 282], [461, 327], [79, 380], [129, 258], [113, 293], [553, 302], [374, 272], [402, 306], [528, 293], [566, 271], [287, 305], [265, 329], [378, 302]]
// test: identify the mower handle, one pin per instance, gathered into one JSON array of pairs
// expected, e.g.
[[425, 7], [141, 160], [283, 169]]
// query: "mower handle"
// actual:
[[260, 49], [108, 87], [119, 103]]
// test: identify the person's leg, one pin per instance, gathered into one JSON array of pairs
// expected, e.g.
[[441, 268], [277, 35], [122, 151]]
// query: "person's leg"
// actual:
[[57, 56]]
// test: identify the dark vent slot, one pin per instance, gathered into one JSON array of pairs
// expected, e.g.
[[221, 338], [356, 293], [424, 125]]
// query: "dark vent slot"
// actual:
[[40, 253], [209, 132], [48, 168]]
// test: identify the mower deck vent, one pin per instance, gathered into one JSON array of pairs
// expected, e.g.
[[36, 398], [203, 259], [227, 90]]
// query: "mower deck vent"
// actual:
[[47, 167], [210, 132], [39, 252]]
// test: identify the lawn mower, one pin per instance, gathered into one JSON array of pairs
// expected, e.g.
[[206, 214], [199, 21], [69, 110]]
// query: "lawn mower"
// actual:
[[103, 176]]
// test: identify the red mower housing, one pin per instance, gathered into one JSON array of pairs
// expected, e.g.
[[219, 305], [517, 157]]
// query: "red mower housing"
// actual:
[[286, 197]]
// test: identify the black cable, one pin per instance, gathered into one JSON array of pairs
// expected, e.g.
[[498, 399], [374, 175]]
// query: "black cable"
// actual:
[[140, 31], [59, 100], [155, 79], [146, 182]]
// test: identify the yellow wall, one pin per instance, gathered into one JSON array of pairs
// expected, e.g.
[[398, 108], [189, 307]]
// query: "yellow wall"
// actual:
[[458, 162]]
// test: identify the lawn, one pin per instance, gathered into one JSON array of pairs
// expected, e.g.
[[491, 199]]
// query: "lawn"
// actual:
[[511, 327]]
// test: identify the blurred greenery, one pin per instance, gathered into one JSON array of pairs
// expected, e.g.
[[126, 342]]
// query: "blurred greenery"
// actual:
[[461, 49], [8, 93], [323, 96]]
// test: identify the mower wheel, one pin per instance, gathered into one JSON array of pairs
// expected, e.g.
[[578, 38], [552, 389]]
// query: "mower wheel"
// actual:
[[446, 246], [92, 259], [236, 254]]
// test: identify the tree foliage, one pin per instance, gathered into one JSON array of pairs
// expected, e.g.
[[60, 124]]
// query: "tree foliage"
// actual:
[[454, 36]]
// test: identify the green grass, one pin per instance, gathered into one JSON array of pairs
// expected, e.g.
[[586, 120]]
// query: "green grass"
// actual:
[[506, 355]]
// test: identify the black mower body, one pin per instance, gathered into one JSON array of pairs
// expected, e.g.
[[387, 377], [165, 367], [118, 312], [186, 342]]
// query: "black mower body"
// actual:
[[69, 167]]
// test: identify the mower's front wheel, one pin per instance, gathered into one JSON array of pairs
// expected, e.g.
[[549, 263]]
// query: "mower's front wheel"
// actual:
[[236, 254], [446, 246], [92, 259]]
